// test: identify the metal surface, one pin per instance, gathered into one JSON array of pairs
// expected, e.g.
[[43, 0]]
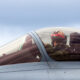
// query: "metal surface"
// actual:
[[25, 75], [25, 71], [64, 74], [23, 67]]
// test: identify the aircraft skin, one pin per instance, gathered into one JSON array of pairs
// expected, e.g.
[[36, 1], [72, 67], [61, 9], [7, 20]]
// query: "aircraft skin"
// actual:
[[39, 67]]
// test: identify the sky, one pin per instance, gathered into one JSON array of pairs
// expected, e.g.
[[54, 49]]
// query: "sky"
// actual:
[[18, 17]]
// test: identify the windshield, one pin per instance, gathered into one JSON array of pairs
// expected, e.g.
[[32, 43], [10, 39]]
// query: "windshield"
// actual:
[[22, 50]]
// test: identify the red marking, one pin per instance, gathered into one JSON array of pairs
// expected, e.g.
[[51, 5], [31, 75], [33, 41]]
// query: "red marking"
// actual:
[[55, 35]]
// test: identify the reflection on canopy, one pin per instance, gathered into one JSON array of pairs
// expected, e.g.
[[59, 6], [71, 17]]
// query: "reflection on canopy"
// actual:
[[20, 53]]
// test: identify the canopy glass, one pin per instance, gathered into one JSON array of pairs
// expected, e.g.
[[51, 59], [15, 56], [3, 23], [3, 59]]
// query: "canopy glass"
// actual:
[[22, 50], [62, 44]]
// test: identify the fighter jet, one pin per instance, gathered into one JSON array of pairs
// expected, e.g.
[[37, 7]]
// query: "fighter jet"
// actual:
[[45, 54]]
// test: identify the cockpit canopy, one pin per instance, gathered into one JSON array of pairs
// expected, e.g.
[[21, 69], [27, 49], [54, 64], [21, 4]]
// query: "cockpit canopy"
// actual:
[[61, 43]]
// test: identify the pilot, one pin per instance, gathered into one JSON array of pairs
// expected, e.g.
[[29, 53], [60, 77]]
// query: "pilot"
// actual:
[[59, 47], [58, 38]]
